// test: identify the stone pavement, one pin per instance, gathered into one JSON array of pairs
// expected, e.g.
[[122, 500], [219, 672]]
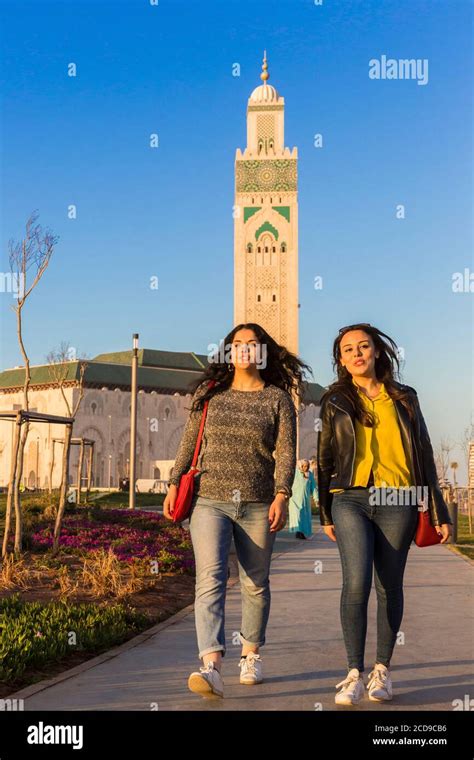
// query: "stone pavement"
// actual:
[[303, 656]]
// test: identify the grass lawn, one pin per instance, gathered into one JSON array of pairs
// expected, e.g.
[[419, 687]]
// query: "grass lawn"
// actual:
[[114, 499], [120, 499], [465, 544]]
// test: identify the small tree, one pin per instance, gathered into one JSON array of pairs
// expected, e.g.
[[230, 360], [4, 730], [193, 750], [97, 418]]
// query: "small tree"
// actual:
[[33, 252], [442, 457]]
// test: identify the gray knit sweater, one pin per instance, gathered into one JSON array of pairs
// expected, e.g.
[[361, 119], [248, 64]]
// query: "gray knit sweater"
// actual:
[[248, 449]]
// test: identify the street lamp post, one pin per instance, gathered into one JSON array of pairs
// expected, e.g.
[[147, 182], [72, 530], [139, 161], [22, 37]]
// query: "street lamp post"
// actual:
[[133, 423], [454, 507]]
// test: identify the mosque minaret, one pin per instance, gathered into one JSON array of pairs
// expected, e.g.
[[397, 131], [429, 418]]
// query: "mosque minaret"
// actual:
[[266, 220]]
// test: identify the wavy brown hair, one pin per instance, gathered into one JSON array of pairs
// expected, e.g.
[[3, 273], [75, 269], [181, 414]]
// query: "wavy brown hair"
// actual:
[[387, 371], [283, 368]]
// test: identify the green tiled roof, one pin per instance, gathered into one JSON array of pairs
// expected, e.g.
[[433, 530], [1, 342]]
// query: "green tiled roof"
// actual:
[[98, 374], [40, 375], [148, 357], [165, 371]]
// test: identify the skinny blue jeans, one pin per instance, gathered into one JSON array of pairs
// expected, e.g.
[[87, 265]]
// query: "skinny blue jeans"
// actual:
[[212, 525], [371, 536]]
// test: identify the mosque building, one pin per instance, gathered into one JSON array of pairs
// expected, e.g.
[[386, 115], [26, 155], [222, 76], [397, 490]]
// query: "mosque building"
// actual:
[[265, 291]]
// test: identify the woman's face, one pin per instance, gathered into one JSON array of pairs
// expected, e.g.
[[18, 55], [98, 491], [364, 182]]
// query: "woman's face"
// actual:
[[245, 349], [304, 466], [358, 353]]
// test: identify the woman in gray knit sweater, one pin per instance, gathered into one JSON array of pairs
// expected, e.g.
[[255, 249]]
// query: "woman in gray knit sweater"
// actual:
[[246, 468]]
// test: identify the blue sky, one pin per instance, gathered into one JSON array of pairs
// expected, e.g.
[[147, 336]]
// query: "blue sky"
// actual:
[[167, 212]]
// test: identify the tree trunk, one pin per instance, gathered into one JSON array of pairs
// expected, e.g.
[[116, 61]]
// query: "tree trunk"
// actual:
[[64, 485], [11, 484], [16, 490]]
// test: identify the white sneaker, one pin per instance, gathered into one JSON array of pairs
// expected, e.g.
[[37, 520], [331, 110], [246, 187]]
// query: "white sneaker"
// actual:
[[352, 689], [251, 669], [380, 684], [207, 681]]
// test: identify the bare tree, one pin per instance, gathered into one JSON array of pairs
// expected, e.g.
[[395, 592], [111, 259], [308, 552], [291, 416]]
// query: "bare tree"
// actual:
[[443, 456], [60, 362], [33, 252], [464, 444]]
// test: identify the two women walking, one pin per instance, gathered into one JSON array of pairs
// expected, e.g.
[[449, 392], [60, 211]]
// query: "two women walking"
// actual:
[[373, 438]]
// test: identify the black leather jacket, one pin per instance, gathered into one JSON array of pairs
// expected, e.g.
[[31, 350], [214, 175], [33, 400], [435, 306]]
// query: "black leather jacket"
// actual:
[[337, 449]]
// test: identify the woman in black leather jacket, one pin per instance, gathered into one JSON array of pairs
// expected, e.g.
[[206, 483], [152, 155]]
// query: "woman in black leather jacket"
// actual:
[[375, 465]]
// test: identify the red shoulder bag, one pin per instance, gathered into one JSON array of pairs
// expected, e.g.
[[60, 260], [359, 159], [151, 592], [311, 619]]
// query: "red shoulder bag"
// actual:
[[426, 534], [184, 497]]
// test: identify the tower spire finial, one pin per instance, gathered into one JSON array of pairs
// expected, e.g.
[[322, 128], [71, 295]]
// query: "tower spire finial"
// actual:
[[264, 75]]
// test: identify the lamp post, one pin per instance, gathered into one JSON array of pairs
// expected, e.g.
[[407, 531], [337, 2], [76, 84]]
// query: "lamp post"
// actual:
[[454, 507], [133, 423]]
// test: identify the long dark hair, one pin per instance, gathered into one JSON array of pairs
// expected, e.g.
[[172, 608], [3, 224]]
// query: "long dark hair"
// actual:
[[387, 371], [283, 368]]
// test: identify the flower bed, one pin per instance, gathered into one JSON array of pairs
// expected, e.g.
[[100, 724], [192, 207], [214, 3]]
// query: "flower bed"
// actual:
[[132, 536]]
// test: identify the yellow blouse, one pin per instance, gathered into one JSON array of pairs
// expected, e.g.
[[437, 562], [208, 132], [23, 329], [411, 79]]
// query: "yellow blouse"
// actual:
[[379, 448]]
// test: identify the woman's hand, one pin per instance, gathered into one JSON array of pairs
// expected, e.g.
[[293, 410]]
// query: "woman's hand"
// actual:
[[330, 531], [445, 530], [169, 502], [277, 513]]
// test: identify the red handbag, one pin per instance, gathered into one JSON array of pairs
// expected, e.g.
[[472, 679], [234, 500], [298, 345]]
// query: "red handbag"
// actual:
[[184, 498], [426, 534]]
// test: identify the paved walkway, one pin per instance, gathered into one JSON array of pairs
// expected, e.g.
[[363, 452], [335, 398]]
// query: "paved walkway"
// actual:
[[304, 655]]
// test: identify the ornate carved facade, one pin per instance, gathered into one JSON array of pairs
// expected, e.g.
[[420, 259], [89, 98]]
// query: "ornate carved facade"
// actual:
[[266, 221]]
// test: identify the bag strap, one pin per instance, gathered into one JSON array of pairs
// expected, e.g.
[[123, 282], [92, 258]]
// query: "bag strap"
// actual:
[[201, 428]]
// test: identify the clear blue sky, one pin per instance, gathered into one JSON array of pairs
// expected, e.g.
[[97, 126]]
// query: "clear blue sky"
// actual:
[[168, 212]]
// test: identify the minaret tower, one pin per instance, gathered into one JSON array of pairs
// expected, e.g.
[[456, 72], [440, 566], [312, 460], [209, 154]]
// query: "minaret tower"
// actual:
[[266, 220]]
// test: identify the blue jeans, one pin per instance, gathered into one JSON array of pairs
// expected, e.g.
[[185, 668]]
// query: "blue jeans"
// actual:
[[370, 536], [212, 525]]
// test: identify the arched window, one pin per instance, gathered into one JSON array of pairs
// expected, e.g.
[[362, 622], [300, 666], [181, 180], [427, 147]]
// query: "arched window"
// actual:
[[94, 405], [274, 298], [249, 247], [266, 251], [283, 248]]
